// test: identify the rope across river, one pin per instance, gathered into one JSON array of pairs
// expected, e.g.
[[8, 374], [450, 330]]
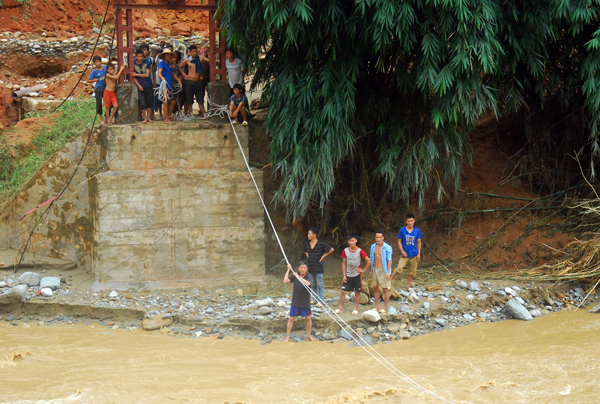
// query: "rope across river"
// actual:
[[339, 320]]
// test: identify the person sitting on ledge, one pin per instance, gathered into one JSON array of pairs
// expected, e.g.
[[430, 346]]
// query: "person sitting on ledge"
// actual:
[[238, 107]]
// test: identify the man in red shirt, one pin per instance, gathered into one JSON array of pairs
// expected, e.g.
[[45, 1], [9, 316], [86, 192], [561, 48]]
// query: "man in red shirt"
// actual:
[[352, 272]]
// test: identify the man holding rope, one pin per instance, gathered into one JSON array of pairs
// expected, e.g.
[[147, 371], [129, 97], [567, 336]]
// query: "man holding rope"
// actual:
[[165, 72], [300, 298]]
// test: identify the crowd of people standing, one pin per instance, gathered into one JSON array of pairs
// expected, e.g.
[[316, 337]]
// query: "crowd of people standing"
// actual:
[[169, 82]]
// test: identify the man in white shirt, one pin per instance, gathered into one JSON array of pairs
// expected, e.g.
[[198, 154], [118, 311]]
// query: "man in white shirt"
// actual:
[[235, 70]]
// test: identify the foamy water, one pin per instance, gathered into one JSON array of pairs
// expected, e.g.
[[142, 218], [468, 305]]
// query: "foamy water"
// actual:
[[554, 359]]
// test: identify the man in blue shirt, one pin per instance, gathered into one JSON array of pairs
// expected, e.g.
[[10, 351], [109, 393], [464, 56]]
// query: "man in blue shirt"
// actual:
[[98, 76], [381, 270], [409, 242]]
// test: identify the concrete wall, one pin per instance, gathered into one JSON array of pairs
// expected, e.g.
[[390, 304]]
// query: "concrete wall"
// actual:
[[165, 211], [66, 232]]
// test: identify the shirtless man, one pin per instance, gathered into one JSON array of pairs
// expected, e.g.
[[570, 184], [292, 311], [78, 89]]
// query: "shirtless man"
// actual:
[[195, 79], [110, 95], [381, 270]]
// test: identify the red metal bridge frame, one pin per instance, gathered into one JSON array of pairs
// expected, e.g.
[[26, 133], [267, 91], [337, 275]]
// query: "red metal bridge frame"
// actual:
[[124, 34]]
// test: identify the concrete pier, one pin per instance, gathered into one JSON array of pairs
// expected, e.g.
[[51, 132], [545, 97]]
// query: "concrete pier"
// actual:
[[175, 203]]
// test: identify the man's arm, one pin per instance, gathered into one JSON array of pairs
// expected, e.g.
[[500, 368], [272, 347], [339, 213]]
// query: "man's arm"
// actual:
[[389, 263], [419, 247], [182, 65], [143, 75], [367, 265], [326, 254], [136, 82], [344, 269], [304, 281], [286, 278], [120, 71], [160, 76], [401, 249]]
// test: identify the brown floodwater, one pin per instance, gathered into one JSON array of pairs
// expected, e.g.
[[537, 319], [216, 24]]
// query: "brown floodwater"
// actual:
[[553, 359]]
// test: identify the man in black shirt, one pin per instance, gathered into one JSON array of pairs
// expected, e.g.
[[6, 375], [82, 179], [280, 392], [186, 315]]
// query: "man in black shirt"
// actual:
[[316, 251], [300, 298]]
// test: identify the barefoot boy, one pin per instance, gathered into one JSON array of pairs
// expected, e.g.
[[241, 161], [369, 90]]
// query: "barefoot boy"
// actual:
[[352, 273], [141, 77], [238, 105], [381, 270], [110, 95], [98, 76], [409, 242], [300, 298]]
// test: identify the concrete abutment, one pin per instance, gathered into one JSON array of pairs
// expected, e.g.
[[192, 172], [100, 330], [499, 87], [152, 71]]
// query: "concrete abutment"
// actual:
[[176, 203]]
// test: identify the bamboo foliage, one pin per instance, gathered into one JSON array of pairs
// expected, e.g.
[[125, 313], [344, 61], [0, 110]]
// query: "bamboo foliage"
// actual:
[[407, 79]]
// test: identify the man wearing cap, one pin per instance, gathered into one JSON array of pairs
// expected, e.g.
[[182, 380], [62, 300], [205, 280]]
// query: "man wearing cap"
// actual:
[[195, 78], [165, 73]]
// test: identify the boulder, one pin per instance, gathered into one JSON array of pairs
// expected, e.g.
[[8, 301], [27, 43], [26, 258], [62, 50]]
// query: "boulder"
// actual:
[[30, 279], [364, 299], [366, 340], [394, 327], [440, 321], [181, 29], [510, 291], [535, 313], [113, 294], [265, 302], [344, 334], [404, 309], [51, 282], [426, 306], [595, 309], [517, 311], [371, 315], [46, 292], [461, 284], [156, 323], [392, 311], [14, 295], [338, 340], [405, 335], [265, 310], [473, 286]]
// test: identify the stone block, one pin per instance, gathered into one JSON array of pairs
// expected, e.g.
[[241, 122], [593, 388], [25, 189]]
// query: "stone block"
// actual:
[[127, 96]]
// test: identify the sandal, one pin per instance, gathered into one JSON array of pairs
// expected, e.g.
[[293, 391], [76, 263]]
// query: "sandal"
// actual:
[[354, 312], [337, 311], [382, 311], [319, 305]]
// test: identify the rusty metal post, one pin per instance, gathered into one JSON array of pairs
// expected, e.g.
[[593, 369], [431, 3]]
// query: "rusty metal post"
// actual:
[[124, 37], [218, 88]]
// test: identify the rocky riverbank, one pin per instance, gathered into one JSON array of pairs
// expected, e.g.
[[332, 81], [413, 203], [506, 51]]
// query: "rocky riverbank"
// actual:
[[36, 300]]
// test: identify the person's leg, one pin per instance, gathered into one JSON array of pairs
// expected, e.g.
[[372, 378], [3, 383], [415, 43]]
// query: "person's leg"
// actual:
[[376, 296], [342, 301], [412, 272], [386, 298], [399, 268], [309, 328], [98, 95], [320, 283], [290, 323], [357, 291], [314, 288], [200, 98], [244, 114], [113, 110]]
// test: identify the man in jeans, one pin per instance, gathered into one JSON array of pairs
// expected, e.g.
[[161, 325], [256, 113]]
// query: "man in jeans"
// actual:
[[316, 251]]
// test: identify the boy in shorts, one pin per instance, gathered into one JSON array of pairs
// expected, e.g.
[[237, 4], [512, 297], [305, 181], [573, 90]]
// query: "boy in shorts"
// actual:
[[381, 270], [352, 273], [409, 242], [110, 95], [300, 298]]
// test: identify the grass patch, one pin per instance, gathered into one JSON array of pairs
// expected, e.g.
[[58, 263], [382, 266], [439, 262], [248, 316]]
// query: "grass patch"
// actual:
[[20, 162]]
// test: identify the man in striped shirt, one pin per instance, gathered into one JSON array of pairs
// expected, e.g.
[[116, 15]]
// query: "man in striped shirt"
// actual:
[[352, 272]]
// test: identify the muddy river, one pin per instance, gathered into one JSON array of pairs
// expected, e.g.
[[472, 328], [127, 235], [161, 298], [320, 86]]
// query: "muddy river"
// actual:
[[554, 359]]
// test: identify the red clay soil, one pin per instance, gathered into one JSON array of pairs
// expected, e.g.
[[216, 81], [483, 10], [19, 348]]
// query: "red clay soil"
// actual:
[[491, 172], [65, 18]]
